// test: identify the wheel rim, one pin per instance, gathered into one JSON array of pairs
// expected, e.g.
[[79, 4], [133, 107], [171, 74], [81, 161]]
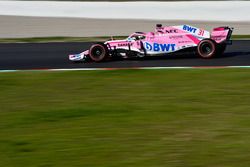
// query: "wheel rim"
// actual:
[[97, 52], [206, 49]]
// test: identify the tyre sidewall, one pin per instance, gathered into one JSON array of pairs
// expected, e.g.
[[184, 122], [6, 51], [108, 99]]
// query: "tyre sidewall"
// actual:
[[212, 44], [104, 50], [221, 49]]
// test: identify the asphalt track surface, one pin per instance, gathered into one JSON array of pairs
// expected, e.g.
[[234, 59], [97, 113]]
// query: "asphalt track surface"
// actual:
[[55, 55]]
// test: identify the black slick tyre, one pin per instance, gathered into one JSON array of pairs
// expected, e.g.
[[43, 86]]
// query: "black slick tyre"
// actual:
[[98, 52], [207, 49], [221, 49]]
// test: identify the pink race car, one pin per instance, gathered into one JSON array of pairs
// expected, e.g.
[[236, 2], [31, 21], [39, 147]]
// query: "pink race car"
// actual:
[[162, 41]]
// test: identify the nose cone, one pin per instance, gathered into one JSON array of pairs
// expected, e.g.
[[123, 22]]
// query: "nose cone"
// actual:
[[76, 57], [72, 57]]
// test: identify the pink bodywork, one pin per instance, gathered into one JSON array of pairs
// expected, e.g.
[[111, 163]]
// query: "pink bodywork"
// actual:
[[220, 34], [166, 39]]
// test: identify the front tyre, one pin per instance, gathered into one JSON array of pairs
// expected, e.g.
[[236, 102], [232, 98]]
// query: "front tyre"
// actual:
[[206, 49], [98, 52]]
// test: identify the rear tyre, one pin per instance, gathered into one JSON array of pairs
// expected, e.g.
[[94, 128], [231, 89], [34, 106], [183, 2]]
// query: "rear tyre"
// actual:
[[221, 49], [206, 49], [98, 52]]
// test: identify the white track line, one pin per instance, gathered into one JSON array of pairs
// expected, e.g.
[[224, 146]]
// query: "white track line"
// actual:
[[133, 68]]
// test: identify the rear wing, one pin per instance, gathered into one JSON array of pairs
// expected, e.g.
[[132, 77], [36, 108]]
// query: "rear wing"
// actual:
[[222, 35]]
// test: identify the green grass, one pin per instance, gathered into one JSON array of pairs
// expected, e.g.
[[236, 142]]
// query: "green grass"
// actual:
[[79, 39], [142, 118], [241, 36]]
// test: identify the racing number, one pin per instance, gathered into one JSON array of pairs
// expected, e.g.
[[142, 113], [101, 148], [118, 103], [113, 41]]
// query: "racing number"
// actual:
[[201, 32]]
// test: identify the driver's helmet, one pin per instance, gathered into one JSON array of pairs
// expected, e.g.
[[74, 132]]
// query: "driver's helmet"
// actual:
[[159, 28]]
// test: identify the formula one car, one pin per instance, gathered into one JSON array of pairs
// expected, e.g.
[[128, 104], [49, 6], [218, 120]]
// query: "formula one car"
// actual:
[[162, 41]]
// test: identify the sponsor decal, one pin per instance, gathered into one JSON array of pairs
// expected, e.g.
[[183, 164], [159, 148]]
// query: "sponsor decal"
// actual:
[[172, 31], [123, 44], [189, 29], [77, 56], [176, 37], [219, 36], [184, 41], [159, 47]]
